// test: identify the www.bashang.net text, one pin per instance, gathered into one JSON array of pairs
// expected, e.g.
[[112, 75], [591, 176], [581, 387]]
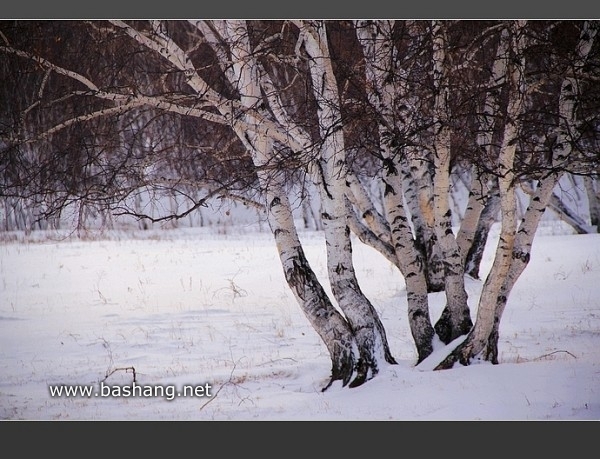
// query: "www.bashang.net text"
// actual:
[[168, 392]]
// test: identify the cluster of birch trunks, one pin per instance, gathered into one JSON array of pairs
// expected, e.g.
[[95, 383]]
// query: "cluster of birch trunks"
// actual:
[[376, 115]]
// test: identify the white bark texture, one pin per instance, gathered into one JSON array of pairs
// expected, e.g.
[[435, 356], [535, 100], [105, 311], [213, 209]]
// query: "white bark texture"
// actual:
[[477, 338], [487, 218], [359, 327], [480, 186], [372, 217], [514, 247], [478, 190], [592, 188], [375, 38], [359, 311], [521, 253], [329, 324], [455, 319], [257, 132], [418, 190]]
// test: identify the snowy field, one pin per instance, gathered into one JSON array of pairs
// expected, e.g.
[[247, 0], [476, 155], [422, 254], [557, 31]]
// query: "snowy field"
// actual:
[[212, 313]]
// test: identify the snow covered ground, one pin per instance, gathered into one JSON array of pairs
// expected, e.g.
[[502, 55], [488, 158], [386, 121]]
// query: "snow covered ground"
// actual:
[[211, 313]]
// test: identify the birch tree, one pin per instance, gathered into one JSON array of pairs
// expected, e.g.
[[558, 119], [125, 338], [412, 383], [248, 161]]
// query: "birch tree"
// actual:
[[255, 132], [338, 335], [567, 125], [384, 90], [455, 320], [515, 242], [331, 163], [201, 109]]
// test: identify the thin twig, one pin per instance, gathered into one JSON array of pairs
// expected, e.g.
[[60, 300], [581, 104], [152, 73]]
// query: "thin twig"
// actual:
[[125, 369], [229, 381], [555, 352]]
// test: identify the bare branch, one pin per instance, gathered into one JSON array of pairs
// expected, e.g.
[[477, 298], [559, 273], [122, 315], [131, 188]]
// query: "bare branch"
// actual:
[[44, 63]]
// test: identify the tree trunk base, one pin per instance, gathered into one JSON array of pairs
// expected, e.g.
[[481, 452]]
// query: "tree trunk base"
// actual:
[[447, 330], [342, 369], [490, 352], [462, 355], [362, 373]]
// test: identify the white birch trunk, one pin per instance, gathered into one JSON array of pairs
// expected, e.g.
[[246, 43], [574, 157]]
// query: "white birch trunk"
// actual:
[[379, 51], [366, 236], [455, 319], [361, 314], [520, 256], [418, 190], [480, 186], [484, 323], [542, 197], [374, 220], [372, 229], [478, 190], [487, 218], [412, 265], [331, 326], [514, 248], [593, 195], [565, 214]]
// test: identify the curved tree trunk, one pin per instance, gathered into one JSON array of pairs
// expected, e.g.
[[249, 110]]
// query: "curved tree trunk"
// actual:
[[478, 337], [366, 236], [331, 326], [411, 262], [331, 166], [379, 51], [478, 192], [484, 199], [568, 216], [372, 229], [543, 195], [521, 254], [312, 298], [374, 220]]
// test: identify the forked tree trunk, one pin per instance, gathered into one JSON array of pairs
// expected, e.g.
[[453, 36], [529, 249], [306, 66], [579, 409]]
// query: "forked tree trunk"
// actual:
[[375, 347], [418, 189], [312, 298], [521, 254], [514, 248], [256, 132], [365, 323], [455, 319], [331, 326], [378, 49], [484, 199], [477, 339], [542, 197]]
